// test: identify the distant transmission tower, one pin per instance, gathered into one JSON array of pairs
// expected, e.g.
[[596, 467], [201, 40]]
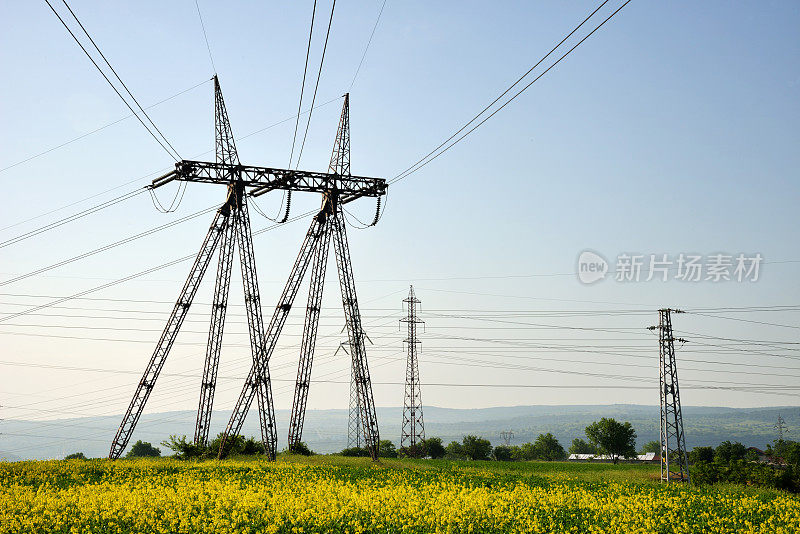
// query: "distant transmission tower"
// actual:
[[780, 426], [674, 462], [507, 436], [413, 425], [354, 416]]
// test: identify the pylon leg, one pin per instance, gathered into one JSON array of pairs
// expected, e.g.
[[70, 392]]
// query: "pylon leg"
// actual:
[[355, 334], [275, 326], [167, 339], [218, 309], [309, 336]]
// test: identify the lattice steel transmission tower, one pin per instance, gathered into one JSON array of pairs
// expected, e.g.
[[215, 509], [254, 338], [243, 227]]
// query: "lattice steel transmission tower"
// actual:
[[231, 225], [780, 426], [674, 461], [413, 424]]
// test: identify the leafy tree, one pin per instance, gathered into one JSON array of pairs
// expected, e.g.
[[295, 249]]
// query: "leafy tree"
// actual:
[[143, 449], [547, 447], [355, 451], [433, 448], [701, 454], [75, 456], [581, 447], [516, 453], [476, 448], [527, 451], [386, 449], [613, 438], [251, 446], [412, 451], [183, 449], [727, 452], [454, 451], [751, 455], [301, 448], [234, 444], [651, 446], [502, 453]]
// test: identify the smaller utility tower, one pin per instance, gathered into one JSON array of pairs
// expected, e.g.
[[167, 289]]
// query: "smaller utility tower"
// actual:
[[413, 426], [674, 462], [507, 436], [354, 416], [780, 426]]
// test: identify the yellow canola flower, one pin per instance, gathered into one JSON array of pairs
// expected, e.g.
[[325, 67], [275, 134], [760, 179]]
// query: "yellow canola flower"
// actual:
[[168, 496]]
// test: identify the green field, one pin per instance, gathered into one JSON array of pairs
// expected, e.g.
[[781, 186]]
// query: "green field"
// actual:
[[338, 494]]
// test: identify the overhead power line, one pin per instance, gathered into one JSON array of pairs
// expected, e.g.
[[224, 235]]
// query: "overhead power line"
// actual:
[[303, 84], [174, 154], [205, 36], [369, 42], [439, 150], [316, 86], [107, 125]]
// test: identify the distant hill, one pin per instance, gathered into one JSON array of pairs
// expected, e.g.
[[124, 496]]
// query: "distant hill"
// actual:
[[326, 430]]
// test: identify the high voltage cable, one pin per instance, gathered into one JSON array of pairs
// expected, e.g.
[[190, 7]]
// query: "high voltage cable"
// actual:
[[87, 134], [108, 246], [424, 161], [369, 42], [173, 156], [132, 276], [303, 84], [205, 36], [73, 217], [316, 86], [120, 79], [493, 102]]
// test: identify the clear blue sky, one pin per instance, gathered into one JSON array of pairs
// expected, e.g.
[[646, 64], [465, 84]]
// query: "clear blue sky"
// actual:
[[672, 130]]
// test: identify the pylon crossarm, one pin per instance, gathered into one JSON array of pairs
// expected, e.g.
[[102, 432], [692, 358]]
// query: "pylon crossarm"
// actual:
[[165, 342], [275, 326], [261, 180], [309, 339], [355, 334], [217, 324]]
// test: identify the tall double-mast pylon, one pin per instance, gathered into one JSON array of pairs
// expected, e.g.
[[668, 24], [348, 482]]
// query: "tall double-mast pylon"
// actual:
[[231, 225]]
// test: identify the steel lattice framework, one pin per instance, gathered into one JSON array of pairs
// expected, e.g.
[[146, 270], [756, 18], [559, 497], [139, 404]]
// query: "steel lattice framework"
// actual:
[[413, 431], [231, 226], [674, 462]]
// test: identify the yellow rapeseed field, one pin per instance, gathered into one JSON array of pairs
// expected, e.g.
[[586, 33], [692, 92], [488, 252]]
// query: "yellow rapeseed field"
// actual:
[[232, 496]]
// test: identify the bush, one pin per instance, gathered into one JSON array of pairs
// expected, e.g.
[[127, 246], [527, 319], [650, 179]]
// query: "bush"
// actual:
[[301, 448], [75, 456], [143, 449]]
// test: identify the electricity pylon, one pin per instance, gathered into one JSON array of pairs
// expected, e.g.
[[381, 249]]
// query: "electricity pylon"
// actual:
[[332, 224], [674, 462], [413, 430], [231, 225]]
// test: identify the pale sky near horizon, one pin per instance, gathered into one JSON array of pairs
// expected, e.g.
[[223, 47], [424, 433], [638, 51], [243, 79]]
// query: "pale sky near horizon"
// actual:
[[672, 130]]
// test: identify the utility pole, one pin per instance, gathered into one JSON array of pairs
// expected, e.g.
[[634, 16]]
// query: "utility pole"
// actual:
[[230, 227], [507, 436], [674, 461], [780, 426], [413, 430]]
